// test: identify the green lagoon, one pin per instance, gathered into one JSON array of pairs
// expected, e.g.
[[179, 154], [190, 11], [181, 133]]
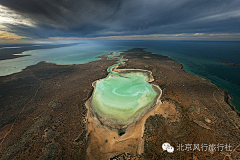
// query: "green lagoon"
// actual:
[[123, 95]]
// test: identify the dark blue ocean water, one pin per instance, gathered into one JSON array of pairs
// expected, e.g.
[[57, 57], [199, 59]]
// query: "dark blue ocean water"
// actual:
[[197, 57]]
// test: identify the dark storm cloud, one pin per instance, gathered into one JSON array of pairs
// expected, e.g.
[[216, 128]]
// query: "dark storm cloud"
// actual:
[[92, 18], [41, 31]]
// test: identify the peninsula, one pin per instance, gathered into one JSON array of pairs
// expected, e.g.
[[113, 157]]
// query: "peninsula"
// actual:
[[46, 112]]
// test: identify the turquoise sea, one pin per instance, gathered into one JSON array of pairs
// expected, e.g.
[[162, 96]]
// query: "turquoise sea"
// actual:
[[197, 57]]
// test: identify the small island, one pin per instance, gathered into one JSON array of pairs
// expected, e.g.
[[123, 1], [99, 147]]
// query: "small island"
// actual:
[[228, 64]]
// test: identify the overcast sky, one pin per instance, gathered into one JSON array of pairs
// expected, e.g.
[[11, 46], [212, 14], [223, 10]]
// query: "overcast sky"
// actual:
[[119, 19]]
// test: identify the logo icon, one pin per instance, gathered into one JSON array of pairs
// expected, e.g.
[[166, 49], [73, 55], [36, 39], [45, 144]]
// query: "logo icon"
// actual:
[[167, 147]]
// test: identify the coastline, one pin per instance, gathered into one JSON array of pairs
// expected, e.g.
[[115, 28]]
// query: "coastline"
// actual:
[[11, 53], [190, 111], [227, 96], [234, 107], [228, 101]]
